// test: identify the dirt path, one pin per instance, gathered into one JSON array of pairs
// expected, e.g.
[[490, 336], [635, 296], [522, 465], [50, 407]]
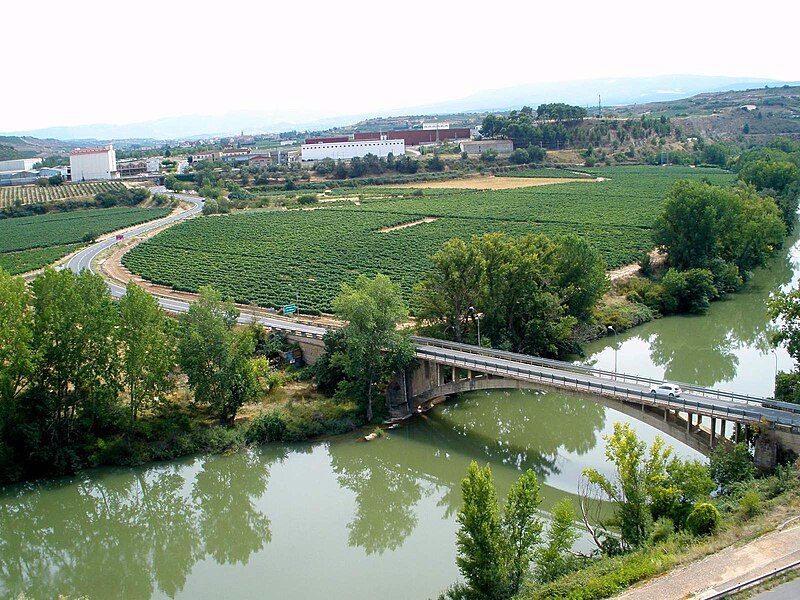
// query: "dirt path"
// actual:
[[490, 182], [409, 224], [724, 569], [628, 271]]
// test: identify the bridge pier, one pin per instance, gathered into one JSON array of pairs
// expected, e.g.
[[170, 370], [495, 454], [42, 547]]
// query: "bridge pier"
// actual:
[[713, 432]]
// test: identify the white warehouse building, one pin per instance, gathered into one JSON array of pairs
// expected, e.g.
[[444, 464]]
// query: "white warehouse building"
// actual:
[[353, 149], [93, 163]]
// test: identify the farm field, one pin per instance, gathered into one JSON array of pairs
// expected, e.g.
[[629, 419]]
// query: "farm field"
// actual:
[[33, 194], [28, 243], [273, 258]]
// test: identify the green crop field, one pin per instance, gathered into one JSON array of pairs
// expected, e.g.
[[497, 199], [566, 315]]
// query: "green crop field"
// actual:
[[270, 258], [28, 243], [33, 194]]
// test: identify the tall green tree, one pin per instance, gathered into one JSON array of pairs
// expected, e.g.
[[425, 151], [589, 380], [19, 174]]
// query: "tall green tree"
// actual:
[[784, 308], [374, 349], [521, 305], [17, 358], [216, 358], [494, 552], [554, 559], [637, 473], [701, 223], [580, 275], [147, 348], [451, 287], [74, 326]]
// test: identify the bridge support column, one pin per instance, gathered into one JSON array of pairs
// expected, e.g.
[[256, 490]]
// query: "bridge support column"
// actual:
[[439, 375], [455, 374], [666, 414], [470, 374], [688, 422], [723, 425], [736, 428], [713, 431]]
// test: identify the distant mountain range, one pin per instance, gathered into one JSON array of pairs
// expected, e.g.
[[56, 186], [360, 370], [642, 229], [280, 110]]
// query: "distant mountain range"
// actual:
[[612, 92]]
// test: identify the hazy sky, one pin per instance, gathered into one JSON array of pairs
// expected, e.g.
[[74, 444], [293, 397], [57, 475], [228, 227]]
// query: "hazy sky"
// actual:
[[100, 61]]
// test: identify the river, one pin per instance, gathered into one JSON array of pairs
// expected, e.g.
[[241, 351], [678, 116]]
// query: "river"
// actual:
[[345, 518]]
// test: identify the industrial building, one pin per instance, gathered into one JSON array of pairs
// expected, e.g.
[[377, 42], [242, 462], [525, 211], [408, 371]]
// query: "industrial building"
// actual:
[[415, 137], [93, 163], [481, 146], [131, 167], [19, 164], [211, 155], [235, 154], [352, 149]]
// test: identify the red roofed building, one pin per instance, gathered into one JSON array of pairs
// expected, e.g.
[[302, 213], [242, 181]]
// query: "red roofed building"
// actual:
[[87, 164]]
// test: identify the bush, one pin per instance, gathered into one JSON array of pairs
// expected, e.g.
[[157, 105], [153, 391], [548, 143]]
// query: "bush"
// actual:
[[749, 504], [688, 291], [703, 520], [269, 427], [731, 466], [307, 199], [662, 530]]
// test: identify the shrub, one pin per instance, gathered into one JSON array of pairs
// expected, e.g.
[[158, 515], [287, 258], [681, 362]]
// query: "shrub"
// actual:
[[307, 199], [662, 530], [749, 504], [703, 520], [730, 466], [266, 427]]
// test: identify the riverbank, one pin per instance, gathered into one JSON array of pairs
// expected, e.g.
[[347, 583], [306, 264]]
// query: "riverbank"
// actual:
[[752, 539]]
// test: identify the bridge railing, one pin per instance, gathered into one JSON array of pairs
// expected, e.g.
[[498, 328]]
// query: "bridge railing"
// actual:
[[567, 366], [522, 372]]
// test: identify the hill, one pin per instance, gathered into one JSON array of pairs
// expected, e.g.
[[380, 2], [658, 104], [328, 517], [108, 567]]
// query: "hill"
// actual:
[[754, 113]]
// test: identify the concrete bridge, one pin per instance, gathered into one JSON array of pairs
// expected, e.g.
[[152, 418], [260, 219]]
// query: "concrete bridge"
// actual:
[[700, 417]]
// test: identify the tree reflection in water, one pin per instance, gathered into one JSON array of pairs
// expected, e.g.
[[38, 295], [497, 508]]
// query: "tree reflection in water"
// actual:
[[513, 432], [126, 534]]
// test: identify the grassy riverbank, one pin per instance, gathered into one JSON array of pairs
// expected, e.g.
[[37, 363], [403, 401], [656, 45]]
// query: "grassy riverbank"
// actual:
[[292, 411], [748, 512]]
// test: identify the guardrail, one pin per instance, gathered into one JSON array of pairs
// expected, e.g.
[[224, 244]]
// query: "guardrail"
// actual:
[[567, 366], [523, 372]]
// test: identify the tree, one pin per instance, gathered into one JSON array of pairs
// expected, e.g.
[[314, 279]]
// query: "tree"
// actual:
[[494, 553], [217, 359], [489, 155], [519, 299], [581, 275], [637, 474], [702, 222], [446, 292], [17, 359], [729, 466], [147, 348], [553, 560], [373, 348]]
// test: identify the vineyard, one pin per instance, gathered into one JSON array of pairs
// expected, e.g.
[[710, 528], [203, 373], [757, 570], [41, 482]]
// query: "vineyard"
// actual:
[[28, 243], [34, 194], [272, 258]]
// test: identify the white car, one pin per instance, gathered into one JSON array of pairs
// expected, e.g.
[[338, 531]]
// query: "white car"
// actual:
[[666, 389]]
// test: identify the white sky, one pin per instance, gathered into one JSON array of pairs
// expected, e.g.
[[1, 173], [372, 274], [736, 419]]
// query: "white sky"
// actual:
[[106, 61]]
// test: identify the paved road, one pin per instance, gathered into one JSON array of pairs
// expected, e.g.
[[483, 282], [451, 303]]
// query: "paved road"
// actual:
[[723, 570], [786, 591], [84, 259]]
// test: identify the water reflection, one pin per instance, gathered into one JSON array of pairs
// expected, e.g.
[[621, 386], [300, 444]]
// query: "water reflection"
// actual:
[[511, 431], [128, 534], [386, 495], [728, 347]]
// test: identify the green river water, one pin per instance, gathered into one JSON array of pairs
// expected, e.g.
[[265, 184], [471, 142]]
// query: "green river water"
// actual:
[[346, 518]]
